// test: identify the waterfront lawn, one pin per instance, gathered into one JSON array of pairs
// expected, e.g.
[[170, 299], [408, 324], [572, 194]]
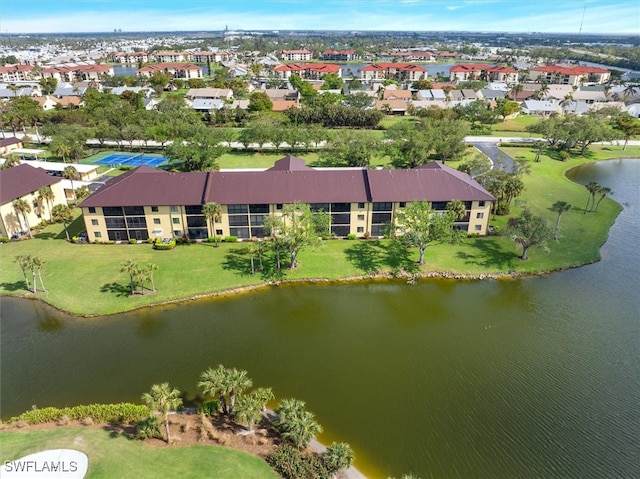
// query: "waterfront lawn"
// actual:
[[86, 279], [113, 455]]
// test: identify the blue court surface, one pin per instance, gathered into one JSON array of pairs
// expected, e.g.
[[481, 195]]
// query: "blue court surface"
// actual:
[[132, 160]]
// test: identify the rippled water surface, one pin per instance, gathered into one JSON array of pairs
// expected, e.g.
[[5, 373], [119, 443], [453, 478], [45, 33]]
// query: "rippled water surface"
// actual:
[[536, 377]]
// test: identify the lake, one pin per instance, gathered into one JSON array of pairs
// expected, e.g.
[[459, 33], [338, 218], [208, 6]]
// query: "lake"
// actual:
[[533, 377]]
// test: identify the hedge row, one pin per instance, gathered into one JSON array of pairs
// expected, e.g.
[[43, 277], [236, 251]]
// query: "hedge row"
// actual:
[[119, 413]]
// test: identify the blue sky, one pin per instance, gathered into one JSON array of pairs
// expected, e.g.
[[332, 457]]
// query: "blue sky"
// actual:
[[600, 16]]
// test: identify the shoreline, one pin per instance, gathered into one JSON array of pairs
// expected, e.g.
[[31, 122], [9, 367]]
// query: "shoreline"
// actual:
[[385, 276]]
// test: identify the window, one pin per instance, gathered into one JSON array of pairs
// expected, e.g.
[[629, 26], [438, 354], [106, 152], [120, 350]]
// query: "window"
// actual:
[[361, 205], [379, 218], [154, 209], [382, 207], [238, 220], [235, 209], [177, 233], [97, 234], [360, 229], [174, 209], [176, 221], [114, 222], [137, 222], [439, 205], [133, 210], [479, 215], [258, 208], [279, 206], [480, 204], [315, 207], [340, 218], [478, 227], [156, 221], [92, 209], [360, 217], [340, 207], [403, 204], [219, 232], [112, 211], [193, 209], [196, 221]]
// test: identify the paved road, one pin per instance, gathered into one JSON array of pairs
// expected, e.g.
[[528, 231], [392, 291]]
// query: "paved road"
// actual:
[[500, 159]]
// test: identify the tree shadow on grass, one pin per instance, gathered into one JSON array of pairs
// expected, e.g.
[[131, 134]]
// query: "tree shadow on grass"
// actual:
[[239, 260], [365, 256], [15, 286], [490, 255], [397, 257], [116, 288], [47, 235], [371, 256]]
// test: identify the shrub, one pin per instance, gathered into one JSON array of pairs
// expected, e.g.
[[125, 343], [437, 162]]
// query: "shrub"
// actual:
[[4, 239], [209, 408], [151, 240], [148, 428], [125, 167], [291, 463], [133, 241], [118, 413], [230, 239], [351, 236], [166, 243]]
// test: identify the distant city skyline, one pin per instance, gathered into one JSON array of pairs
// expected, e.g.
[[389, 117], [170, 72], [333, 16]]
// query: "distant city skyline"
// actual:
[[552, 16]]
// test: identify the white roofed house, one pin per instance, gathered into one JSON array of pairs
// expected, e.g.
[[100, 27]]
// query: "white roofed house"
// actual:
[[540, 107], [210, 93]]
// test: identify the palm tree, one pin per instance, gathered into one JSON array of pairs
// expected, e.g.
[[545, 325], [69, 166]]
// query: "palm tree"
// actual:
[[457, 208], [36, 265], [604, 191], [213, 212], [559, 207], [213, 383], [24, 261], [338, 455], [71, 174], [249, 410], [301, 428], [629, 91], [62, 214], [45, 194], [237, 380], [162, 399], [131, 268], [592, 187], [22, 208], [151, 267]]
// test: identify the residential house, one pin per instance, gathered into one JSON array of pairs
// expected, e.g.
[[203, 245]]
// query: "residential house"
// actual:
[[393, 94], [145, 91], [212, 57], [16, 92], [207, 105], [569, 75], [46, 102], [185, 71], [22, 182], [17, 73], [540, 107], [72, 72], [340, 55], [491, 95], [410, 56], [393, 71], [210, 93], [9, 144], [130, 58], [172, 57], [393, 106], [303, 55], [307, 71], [277, 94], [479, 71], [148, 203]]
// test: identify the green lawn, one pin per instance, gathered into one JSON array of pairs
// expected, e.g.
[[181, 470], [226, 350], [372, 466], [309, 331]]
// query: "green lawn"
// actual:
[[116, 456]]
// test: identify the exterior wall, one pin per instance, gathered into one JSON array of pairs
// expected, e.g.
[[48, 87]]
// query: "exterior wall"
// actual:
[[10, 223], [364, 220]]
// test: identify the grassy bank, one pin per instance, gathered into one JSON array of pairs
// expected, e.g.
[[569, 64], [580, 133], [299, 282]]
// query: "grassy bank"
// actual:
[[86, 279], [117, 456]]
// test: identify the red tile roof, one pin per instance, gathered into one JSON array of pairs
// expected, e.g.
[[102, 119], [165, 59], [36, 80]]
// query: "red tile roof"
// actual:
[[316, 67], [16, 68], [575, 70], [474, 67], [23, 179], [391, 66]]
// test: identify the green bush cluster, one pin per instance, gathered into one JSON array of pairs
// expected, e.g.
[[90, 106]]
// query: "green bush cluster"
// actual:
[[158, 244], [133, 241], [213, 239], [4, 239], [209, 408], [351, 236], [292, 463], [119, 413], [230, 239]]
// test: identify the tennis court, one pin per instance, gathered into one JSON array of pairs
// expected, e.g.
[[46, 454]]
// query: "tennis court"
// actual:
[[117, 159]]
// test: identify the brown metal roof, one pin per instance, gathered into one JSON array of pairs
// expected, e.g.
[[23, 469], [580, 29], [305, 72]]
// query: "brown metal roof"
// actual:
[[431, 182], [289, 180], [148, 186], [23, 179]]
